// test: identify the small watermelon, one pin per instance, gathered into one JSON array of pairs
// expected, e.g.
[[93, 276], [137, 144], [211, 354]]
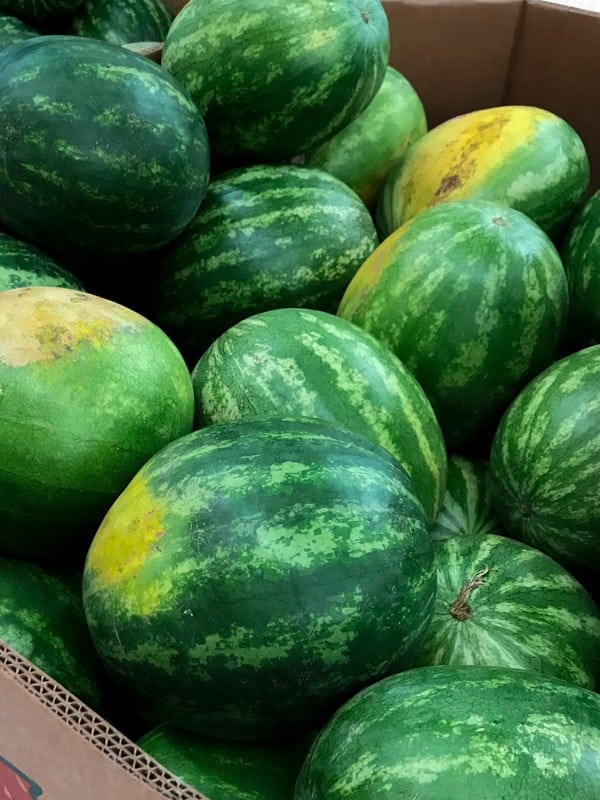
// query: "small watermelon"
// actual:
[[472, 297], [581, 257], [90, 390], [41, 617], [21, 264], [363, 153], [256, 573], [294, 362], [520, 156], [272, 78], [501, 603]]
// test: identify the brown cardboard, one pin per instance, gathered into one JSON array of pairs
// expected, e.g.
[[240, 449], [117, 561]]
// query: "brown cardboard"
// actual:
[[460, 55]]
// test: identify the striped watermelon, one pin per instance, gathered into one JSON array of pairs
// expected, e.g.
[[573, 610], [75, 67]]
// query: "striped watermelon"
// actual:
[[363, 152], [274, 79], [122, 21], [255, 573], [581, 257], [228, 770], [41, 617], [293, 362], [265, 237], [22, 264], [472, 297], [468, 509], [13, 30], [546, 462], [503, 604], [38, 10], [523, 157], [65, 101], [90, 390], [474, 733]]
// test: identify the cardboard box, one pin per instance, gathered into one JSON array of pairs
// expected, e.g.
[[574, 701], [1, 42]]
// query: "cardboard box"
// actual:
[[460, 55]]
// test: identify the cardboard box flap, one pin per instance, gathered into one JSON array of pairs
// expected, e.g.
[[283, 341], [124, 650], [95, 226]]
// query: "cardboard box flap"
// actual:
[[51, 741]]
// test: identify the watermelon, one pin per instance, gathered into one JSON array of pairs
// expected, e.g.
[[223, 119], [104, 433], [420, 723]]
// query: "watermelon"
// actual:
[[13, 30], [66, 101], [41, 617], [265, 237], [581, 257], [472, 297], [520, 156], [255, 573], [468, 509], [501, 603], [545, 462], [228, 770], [122, 21], [363, 153], [38, 10], [311, 364], [90, 390], [443, 733], [274, 79], [21, 264]]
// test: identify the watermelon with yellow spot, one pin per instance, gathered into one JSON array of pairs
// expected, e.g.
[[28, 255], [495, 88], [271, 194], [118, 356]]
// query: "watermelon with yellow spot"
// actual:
[[363, 153], [520, 156], [472, 297], [256, 573], [89, 391]]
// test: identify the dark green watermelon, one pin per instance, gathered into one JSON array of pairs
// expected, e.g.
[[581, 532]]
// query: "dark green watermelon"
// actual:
[[459, 733], [581, 257], [472, 297], [41, 617], [545, 463], [22, 264], [228, 770], [13, 30], [264, 238], [38, 10], [100, 150], [256, 573], [122, 21], [90, 390], [503, 604], [310, 364], [274, 78]]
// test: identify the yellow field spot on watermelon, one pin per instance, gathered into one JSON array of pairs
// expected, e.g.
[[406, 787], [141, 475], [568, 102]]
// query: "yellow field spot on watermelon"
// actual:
[[128, 536], [452, 161], [368, 276], [42, 324]]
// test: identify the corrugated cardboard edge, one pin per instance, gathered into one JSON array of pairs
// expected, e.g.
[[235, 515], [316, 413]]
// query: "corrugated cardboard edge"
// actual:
[[90, 726]]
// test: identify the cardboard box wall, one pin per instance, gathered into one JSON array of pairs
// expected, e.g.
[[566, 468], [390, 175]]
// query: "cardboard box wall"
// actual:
[[460, 55]]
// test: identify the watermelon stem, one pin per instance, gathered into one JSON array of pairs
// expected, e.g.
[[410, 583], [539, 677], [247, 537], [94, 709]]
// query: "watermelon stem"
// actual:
[[460, 608]]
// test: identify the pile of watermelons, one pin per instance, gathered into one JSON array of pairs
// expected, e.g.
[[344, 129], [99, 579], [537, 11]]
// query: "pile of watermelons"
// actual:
[[306, 398]]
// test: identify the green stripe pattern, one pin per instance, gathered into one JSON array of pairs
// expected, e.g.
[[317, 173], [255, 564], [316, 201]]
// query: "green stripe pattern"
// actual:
[[546, 462], [99, 136], [289, 564], [468, 509], [443, 733], [22, 264], [41, 617], [38, 10], [472, 297], [122, 21], [501, 603], [228, 770], [294, 362], [265, 237], [274, 79], [13, 30], [581, 257], [363, 152]]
